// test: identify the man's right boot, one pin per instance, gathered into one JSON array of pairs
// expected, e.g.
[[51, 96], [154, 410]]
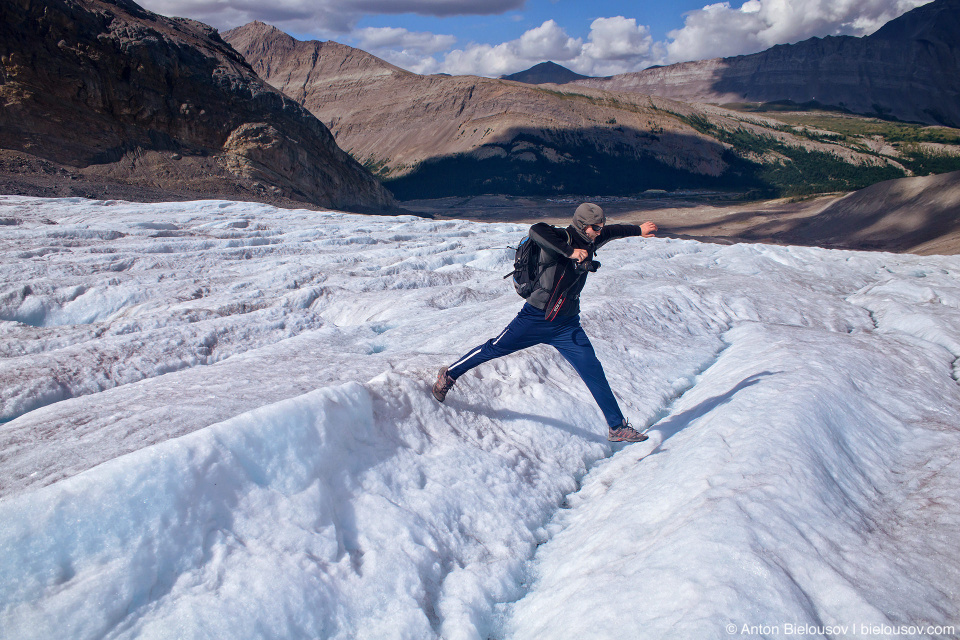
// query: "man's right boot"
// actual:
[[625, 433]]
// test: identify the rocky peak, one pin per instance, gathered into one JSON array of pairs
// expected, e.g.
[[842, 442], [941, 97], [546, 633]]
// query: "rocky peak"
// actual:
[[936, 22], [545, 73]]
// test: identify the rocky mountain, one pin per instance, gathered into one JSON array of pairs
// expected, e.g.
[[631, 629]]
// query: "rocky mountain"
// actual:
[[545, 73], [909, 70], [103, 98], [432, 136]]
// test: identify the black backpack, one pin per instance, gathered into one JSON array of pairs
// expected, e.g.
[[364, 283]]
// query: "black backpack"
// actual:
[[526, 267]]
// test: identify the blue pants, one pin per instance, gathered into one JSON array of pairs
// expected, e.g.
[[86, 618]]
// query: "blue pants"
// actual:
[[530, 328]]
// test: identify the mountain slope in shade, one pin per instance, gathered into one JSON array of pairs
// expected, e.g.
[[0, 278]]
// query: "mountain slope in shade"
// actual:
[[545, 73], [909, 70], [431, 136], [109, 93], [917, 214]]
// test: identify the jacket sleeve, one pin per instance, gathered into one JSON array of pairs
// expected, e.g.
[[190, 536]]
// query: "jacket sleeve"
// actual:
[[551, 239], [616, 231]]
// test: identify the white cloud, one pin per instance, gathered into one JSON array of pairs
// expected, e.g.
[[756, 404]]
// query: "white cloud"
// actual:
[[411, 61], [617, 38], [483, 60], [410, 50], [616, 45], [720, 30], [547, 42], [374, 39]]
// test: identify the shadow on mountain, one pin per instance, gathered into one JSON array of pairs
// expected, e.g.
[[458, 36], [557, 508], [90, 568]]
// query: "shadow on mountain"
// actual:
[[622, 161], [595, 160]]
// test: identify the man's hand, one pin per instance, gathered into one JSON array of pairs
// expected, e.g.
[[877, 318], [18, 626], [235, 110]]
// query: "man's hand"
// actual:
[[578, 255], [647, 229]]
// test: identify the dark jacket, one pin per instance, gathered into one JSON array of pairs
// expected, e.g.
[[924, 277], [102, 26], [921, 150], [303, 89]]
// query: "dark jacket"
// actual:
[[555, 265]]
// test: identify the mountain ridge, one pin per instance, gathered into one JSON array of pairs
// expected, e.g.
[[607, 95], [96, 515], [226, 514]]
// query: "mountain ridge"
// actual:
[[266, 45], [437, 135]]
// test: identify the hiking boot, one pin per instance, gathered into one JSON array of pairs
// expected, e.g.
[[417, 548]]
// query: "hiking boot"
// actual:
[[444, 383], [625, 433]]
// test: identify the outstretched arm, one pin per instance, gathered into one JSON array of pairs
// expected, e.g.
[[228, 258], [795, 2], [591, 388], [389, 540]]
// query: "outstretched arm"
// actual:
[[615, 231]]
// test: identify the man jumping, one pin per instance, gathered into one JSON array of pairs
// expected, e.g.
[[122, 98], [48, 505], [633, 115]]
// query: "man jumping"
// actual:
[[551, 314]]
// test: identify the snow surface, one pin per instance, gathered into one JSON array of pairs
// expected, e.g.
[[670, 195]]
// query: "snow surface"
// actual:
[[217, 424]]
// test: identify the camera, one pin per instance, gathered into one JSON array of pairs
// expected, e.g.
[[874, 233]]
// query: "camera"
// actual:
[[587, 265]]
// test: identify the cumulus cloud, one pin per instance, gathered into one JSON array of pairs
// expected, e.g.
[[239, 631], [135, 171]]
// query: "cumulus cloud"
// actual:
[[617, 38], [410, 60], [617, 45], [547, 42], [720, 30], [380, 38], [483, 60], [411, 50]]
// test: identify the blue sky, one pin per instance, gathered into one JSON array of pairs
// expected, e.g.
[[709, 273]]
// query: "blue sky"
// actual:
[[573, 15], [595, 37]]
